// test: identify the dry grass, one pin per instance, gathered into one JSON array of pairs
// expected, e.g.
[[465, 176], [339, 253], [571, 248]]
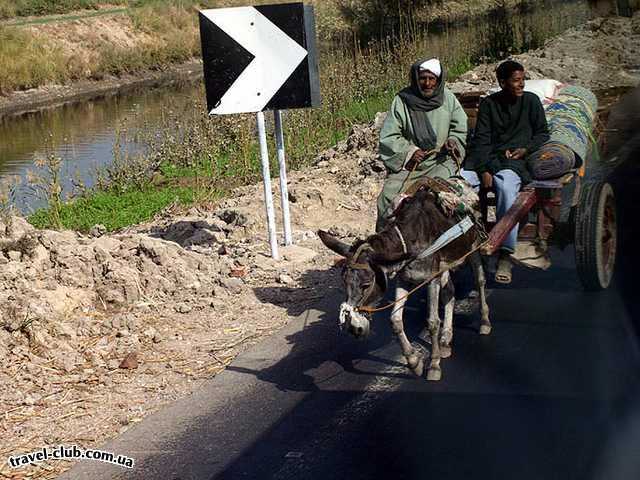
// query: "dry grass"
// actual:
[[28, 62], [159, 33]]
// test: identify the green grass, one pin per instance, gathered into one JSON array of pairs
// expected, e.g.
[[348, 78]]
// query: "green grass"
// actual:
[[115, 210]]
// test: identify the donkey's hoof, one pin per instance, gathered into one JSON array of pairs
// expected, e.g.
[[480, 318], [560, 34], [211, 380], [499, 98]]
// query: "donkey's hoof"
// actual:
[[434, 374], [485, 329], [445, 351], [418, 370], [413, 360]]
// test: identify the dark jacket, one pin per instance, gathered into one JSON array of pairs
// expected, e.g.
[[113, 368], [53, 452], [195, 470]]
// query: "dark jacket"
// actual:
[[506, 125]]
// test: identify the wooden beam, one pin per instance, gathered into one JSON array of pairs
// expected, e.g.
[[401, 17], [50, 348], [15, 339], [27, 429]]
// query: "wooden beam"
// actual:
[[526, 199]]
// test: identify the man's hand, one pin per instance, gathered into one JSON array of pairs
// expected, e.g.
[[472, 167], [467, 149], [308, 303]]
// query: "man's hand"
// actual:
[[416, 159], [516, 154], [450, 145], [486, 180], [418, 156]]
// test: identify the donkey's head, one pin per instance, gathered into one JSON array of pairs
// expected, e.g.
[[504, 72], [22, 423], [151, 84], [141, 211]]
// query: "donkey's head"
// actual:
[[365, 282]]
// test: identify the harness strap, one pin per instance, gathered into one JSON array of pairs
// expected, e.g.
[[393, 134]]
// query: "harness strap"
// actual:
[[404, 244], [447, 237]]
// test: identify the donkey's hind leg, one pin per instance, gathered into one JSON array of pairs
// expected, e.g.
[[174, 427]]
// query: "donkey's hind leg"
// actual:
[[447, 296], [478, 272], [415, 361]]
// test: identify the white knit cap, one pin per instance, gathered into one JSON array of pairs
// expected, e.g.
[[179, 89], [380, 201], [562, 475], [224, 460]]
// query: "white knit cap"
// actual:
[[433, 66]]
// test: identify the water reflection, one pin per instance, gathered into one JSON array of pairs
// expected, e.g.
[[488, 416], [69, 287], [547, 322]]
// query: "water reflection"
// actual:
[[82, 134]]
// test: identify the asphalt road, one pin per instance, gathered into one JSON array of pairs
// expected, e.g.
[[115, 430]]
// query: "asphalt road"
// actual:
[[553, 393], [548, 395]]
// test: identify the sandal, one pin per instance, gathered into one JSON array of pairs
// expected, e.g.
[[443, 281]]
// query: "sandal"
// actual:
[[503, 272]]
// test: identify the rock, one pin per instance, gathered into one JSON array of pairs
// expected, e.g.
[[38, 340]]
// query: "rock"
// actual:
[[97, 231], [40, 257], [157, 338], [183, 308], [379, 120], [264, 262], [12, 325], [149, 332], [239, 271], [123, 333], [297, 254], [17, 227], [234, 217], [65, 330], [14, 256], [233, 285], [121, 321], [205, 237], [156, 250], [107, 243], [285, 279], [635, 23], [130, 362]]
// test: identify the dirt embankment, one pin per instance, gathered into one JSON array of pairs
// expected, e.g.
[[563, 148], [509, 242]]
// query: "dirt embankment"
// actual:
[[84, 42], [601, 54], [99, 330]]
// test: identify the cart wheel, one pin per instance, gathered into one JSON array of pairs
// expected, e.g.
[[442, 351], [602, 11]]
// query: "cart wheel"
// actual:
[[596, 235]]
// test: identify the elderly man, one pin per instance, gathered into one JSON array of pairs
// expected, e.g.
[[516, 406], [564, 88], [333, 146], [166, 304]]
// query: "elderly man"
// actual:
[[424, 133], [511, 125]]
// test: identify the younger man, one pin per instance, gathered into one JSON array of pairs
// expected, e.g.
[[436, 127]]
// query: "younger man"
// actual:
[[511, 125]]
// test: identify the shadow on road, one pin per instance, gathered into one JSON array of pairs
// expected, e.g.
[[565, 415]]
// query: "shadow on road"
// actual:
[[320, 341]]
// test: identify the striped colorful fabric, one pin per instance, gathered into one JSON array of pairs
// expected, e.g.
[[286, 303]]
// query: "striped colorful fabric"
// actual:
[[551, 160], [571, 117]]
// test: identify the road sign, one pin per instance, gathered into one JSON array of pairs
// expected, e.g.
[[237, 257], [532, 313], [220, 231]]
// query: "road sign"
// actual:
[[259, 58]]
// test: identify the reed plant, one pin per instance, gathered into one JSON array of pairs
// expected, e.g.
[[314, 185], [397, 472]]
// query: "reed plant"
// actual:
[[27, 62], [45, 186]]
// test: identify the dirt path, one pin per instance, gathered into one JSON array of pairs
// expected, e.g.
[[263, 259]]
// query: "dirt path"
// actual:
[[100, 330]]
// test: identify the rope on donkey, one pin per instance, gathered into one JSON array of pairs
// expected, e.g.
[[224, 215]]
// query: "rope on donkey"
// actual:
[[366, 309]]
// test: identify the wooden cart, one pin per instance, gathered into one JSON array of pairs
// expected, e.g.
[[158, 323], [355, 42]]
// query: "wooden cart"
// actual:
[[578, 209]]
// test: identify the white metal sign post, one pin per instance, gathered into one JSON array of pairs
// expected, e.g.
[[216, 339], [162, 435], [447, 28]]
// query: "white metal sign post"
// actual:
[[284, 190], [266, 176], [262, 58]]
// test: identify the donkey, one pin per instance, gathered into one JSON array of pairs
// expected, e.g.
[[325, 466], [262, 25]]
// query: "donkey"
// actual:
[[396, 251]]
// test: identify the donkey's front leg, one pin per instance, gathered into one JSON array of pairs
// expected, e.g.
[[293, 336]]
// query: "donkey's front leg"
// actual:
[[415, 361], [434, 373], [478, 273], [447, 297]]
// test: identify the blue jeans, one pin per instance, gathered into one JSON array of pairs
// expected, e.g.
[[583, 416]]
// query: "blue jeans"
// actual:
[[507, 184]]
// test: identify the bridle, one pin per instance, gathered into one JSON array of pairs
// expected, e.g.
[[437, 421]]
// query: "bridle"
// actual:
[[353, 263]]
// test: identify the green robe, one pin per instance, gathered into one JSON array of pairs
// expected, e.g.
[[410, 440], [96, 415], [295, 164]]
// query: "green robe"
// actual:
[[397, 145]]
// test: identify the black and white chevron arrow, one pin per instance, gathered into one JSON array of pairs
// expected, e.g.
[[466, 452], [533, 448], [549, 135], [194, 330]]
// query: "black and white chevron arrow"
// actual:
[[259, 58]]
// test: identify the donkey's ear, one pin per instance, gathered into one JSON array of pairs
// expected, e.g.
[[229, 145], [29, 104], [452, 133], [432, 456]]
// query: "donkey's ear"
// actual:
[[332, 243]]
